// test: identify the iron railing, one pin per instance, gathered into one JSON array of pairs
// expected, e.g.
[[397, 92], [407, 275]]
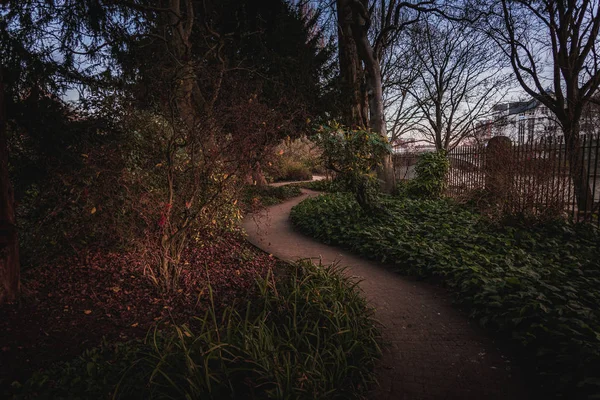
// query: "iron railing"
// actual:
[[539, 176]]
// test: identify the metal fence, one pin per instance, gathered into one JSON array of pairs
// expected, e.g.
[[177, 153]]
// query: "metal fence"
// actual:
[[537, 176]]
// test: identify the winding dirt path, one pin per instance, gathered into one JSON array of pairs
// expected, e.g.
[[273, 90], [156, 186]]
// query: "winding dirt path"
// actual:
[[433, 351]]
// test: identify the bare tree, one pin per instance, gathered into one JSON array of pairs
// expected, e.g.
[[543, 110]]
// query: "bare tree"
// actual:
[[399, 74], [365, 30], [459, 75], [404, 116], [554, 52]]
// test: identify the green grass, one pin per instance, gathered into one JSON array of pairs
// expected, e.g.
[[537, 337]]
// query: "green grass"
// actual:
[[307, 336], [538, 285]]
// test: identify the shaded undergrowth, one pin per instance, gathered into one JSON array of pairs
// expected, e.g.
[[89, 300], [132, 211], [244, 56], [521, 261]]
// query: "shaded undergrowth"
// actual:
[[309, 335], [538, 285], [256, 197]]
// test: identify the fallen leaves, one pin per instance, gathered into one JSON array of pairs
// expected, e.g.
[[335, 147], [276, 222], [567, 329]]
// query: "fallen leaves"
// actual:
[[91, 295]]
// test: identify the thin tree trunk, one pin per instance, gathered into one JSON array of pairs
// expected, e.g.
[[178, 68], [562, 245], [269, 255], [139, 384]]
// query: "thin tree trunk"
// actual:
[[9, 245], [180, 23], [439, 140], [258, 177], [578, 169]]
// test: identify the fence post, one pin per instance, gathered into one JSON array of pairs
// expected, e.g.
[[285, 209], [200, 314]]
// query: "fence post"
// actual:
[[498, 168]]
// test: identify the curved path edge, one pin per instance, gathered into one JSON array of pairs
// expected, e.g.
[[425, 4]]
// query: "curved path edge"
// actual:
[[431, 349]]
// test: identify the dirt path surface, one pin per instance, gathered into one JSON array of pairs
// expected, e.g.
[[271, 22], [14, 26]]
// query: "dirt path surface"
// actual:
[[314, 178], [433, 351]]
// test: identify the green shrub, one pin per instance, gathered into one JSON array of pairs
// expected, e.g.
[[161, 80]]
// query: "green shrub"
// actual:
[[267, 195], [538, 285], [430, 179], [309, 336], [293, 160], [402, 189], [354, 154], [293, 171]]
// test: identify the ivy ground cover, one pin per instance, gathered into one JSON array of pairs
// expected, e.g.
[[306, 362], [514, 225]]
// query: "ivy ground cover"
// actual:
[[540, 285]]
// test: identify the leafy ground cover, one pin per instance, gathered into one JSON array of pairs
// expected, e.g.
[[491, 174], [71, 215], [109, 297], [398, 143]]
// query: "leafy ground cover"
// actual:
[[539, 285], [73, 302], [309, 335], [256, 197]]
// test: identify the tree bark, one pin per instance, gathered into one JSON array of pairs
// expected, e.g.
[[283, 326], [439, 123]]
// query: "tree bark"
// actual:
[[355, 47], [377, 122], [9, 245], [374, 87], [354, 110]]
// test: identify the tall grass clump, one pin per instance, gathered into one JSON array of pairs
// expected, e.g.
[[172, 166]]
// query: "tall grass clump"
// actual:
[[307, 336]]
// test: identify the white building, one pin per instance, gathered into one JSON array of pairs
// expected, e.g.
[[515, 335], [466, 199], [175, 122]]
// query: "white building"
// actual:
[[521, 121]]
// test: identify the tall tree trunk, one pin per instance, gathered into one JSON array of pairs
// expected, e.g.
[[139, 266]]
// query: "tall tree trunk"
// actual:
[[374, 88], [354, 110], [578, 168], [377, 122], [9, 245]]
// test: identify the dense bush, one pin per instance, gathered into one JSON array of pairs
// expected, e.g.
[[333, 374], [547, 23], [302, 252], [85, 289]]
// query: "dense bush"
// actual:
[[293, 171], [430, 179], [353, 154], [539, 285], [69, 177], [294, 160], [113, 194], [309, 336]]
